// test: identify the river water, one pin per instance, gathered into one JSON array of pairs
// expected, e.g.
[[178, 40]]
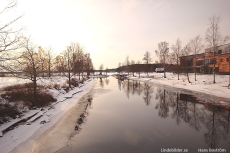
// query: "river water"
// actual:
[[136, 117]]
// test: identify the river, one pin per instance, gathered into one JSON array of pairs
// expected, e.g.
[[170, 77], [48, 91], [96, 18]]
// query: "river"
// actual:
[[136, 117]]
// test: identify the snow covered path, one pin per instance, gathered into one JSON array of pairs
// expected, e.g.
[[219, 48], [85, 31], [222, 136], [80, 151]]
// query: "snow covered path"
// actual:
[[49, 116]]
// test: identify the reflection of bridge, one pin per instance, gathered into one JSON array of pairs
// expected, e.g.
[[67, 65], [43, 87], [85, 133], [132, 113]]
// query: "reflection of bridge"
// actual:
[[189, 98]]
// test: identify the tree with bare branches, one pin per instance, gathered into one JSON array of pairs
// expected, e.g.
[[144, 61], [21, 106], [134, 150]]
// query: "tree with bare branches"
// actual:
[[10, 37], [119, 68], [127, 63], [49, 52], [139, 68], [214, 38], [30, 64], [147, 60], [68, 65], [184, 52], [195, 46], [101, 67], [133, 68], [88, 64], [177, 48], [163, 54]]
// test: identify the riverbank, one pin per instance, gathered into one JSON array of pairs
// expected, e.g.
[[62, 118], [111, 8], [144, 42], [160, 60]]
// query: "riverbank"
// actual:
[[43, 119], [203, 84]]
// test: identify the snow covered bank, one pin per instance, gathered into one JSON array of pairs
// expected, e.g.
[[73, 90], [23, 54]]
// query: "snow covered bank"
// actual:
[[203, 84], [43, 119]]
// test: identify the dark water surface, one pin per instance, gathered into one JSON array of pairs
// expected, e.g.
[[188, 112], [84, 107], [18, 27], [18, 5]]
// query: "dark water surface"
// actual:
[[130, 116], [136, 117]]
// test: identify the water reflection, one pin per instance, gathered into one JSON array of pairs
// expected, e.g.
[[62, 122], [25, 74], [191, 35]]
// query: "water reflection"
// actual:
[[212, 120], [103, 81], [134, 87], [147, 95]]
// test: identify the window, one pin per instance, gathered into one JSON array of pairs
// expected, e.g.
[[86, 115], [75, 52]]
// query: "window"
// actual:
[[227, 59], [219, 51], [210, 61], [221, 60], [199, 62]]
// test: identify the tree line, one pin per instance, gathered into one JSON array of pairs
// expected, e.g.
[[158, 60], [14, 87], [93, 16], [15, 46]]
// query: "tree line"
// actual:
[[20, 55], [213, 38]]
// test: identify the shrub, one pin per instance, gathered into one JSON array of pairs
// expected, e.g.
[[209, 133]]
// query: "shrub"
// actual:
[[73, 82], [24, 92], [7, 111], [27, 96], [57, 86], [19, 87], [65, 87]]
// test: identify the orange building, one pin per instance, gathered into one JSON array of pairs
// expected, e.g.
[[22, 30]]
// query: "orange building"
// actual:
[[205, 62]]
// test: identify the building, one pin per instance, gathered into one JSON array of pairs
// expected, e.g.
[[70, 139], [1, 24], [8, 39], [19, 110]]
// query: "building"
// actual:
[[205, 62]]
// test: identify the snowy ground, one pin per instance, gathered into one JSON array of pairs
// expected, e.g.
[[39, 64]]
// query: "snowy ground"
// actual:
[[203, 84], [49, 115]]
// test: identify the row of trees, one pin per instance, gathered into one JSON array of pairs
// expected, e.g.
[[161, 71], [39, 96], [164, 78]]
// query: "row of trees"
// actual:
[[19, 55], [195, 46], [74, 61]]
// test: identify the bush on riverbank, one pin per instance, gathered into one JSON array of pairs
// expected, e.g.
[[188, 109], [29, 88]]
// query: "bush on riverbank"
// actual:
[[15, 99], [8, 111]]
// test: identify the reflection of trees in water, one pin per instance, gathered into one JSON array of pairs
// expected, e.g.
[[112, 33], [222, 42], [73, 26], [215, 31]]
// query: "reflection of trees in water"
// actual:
[[130, 87], [119, 83], [185, 108], [217, 123], [163, 104], [147, 95], [107, 81], [101, 82]]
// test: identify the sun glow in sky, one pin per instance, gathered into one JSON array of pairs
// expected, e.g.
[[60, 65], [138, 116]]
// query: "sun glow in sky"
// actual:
[[112, 29]]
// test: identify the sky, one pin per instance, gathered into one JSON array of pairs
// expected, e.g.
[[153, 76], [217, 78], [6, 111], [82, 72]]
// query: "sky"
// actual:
[[110, 30]]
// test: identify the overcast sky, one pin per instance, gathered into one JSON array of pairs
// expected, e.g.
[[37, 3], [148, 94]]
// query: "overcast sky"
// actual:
[[112, 29]]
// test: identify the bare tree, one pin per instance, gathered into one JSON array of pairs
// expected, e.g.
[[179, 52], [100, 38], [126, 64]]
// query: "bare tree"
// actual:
[[101, 67], [10, 38], [184, 52], [78, 58], [88, 64], [177, 52], [43, 59], [132, 67], [119, 68], [127, 63], [214, 38], [67, 64], [139, 68], [196, 47], [59, 64], [163, 54], [106, 70], [49, 51], [30, 64], [147, 60]]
